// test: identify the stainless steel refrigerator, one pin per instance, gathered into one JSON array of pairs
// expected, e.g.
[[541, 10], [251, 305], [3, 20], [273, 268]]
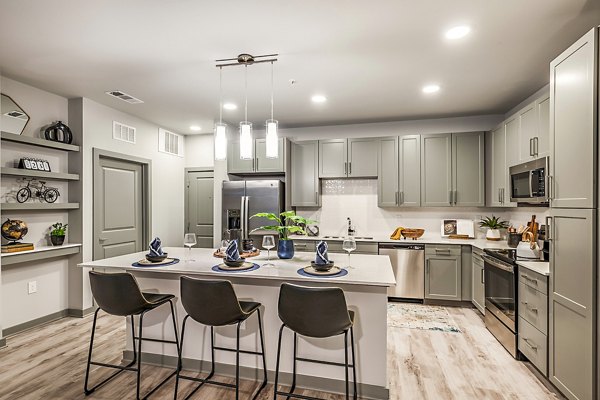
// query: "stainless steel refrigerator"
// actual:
[[242, 199]]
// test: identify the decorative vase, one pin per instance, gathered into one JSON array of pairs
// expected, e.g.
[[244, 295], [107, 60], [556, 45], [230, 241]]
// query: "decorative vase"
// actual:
[[58, 132], [57, 240], [493, 234], [285, 249]]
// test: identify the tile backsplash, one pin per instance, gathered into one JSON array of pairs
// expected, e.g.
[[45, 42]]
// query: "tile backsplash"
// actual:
[[357, 199]]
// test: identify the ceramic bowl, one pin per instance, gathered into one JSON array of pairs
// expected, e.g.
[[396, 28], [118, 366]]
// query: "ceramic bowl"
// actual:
[[156, 259], [322, 267], [237, 263]]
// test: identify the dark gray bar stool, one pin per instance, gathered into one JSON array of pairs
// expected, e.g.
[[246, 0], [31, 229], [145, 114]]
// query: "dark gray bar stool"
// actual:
[[317, 313], [119, 294], [214, 303]]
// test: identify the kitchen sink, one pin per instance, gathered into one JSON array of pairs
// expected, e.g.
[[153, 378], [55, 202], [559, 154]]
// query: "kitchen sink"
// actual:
[[333, 237], [355, 237]]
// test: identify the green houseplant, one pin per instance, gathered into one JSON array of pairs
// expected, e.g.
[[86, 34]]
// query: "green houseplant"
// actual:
[[493, 225], [57, 233], [285, 224]]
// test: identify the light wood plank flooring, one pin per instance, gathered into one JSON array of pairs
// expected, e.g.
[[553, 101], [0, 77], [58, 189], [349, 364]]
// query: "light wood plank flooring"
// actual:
[[49, 363]]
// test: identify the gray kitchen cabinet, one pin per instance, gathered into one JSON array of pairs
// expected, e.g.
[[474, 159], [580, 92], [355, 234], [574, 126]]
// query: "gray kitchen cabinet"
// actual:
[[387, 172], [362, 158], [527, 124], [399, 180], [573, 115], [499, 170], [572, 301], [235, 165], [304, 175], [436, 170], [264, 164], [333, 158], [466, 255], [468, 169], [542, 142], [443, 272], [478, 281]]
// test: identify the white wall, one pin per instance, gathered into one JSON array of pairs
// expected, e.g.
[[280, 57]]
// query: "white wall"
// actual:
[[199, 151]]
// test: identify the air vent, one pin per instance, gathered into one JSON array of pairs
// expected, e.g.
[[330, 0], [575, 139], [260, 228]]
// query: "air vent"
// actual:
[[124, 96], [16, 114], [123, 132], [169, 142]]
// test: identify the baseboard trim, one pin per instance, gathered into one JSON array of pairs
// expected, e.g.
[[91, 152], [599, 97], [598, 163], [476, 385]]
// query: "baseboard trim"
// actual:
[[77, 313], [365, 391], [2, 343], [34, 323]]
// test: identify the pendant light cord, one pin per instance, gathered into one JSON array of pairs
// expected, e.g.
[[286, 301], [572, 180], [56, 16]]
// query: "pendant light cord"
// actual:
[[246, 92], [272, 90], [220, 95]]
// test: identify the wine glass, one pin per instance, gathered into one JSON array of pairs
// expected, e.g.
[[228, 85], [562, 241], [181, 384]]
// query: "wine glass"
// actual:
[[189, 241], [349, 245], [268, 243]]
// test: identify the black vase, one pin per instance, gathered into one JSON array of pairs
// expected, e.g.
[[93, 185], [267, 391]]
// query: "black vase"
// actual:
[[58, 132], [57, 240]]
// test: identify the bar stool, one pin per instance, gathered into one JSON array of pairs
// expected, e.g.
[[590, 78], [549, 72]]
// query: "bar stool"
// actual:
[[317, 313], [119, 294], [214, 303]]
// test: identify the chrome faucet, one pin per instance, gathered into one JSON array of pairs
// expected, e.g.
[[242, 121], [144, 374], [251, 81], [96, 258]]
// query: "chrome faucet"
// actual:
[[351, 230]]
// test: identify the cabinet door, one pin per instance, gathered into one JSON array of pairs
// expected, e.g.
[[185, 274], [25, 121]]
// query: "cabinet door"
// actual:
[[436, 170], [573, 115], [304, 174], [362, 158], [443, 277], [333, 160], [477, 284], [271, 165], [410, 171], [527, 122], [387, 174], [498, 165], [511, 127], [572, 301], [542, 140], [468, 169], [235, 165]]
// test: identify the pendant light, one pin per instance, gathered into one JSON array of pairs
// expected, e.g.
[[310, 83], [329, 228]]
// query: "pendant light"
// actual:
[[220, 127], [272, 139], [245, 126]]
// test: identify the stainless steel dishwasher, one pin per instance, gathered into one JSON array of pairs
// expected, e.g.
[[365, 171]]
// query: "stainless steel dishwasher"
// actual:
[[408, 263]]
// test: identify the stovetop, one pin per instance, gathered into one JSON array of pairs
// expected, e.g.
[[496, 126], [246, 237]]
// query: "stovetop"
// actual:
[[506, 255]]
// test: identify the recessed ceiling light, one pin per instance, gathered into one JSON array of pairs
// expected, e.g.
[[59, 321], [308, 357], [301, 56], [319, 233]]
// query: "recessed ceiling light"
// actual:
[[229, 106], [195, 128], [319, 98], [458, 32], [431, 88]]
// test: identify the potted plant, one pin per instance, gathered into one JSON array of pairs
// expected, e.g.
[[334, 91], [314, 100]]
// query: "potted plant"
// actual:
[[57, 233], [286, 223], [493, 225]]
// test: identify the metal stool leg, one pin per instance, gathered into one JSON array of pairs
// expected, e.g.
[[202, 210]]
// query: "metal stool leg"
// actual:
[[237, 362], [346, 363], [277, 364], [294, 365], [353, 364], [262, 352], [139, 366], [87, 370], [179, 358]]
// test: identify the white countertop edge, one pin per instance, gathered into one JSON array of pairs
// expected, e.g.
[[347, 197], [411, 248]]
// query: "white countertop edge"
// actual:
[[541, 267]]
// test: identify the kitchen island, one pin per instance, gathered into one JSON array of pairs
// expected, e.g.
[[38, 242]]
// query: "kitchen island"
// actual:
[[365, 287]]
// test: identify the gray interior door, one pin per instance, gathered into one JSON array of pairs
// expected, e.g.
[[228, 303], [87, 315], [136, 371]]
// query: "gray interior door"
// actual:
[[118, 208], [200, 194]]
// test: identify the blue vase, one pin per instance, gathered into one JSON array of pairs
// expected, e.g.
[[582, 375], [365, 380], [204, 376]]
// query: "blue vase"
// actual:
[[285, 249]]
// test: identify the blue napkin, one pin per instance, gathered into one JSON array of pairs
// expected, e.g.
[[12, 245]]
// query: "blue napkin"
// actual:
[[322, 258], [232, 253], [156, 247]]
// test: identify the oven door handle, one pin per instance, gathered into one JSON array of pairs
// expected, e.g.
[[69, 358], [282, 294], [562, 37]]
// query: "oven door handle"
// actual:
[[498, 264]]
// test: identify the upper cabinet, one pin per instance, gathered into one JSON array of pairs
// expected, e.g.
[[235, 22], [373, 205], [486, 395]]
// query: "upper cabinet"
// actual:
[[573, 119], [348, 158], [534, 130], [387, 177], [259, 163], [453, 169], [399, 164], [305, 174]]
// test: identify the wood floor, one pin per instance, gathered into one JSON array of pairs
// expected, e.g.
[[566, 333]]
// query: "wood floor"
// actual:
[[49, 363]]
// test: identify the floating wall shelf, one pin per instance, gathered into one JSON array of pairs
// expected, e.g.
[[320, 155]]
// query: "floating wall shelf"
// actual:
[[40, 253], [60, 176], [38, 206], [11, 137]]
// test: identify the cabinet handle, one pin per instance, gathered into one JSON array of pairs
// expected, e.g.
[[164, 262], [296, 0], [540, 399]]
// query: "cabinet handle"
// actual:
[[397, 202], [482, 276], [345, 168], [526, 340], [549, 237], [536, 146], [502, 195], [531, 147], [499, 199], [257, 164], [450, 196], [427, 266], [455, 197], [316, 197], [401, 197], [442, 251], [350, 168]]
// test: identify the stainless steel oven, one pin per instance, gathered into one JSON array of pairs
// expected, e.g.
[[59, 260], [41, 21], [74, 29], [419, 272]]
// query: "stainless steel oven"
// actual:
[[528, 182], [501, 297]]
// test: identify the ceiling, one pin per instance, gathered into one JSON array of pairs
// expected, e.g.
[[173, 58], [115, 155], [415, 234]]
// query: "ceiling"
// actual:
[[370, 59]]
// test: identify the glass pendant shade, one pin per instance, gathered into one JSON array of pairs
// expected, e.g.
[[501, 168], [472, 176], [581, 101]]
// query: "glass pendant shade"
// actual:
[[220, 141], [272, 139], [246, 140]]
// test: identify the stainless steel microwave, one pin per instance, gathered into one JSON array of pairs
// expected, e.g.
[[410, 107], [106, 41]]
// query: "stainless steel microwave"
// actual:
[[528, 182]]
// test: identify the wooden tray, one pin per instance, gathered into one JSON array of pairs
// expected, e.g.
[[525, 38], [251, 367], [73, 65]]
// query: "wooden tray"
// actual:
[[165, 261], [312, 271], [219, 254], [246, 265]]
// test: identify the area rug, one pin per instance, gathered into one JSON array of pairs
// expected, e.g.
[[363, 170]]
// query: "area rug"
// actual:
[[418, 316]]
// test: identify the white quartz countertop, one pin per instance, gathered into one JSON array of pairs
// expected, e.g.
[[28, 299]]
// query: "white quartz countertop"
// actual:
[[541, 267], [425, 239], [365, 270]]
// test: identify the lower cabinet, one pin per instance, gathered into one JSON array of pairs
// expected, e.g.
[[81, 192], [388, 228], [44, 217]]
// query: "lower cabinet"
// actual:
[[478, 281], [443, 272]]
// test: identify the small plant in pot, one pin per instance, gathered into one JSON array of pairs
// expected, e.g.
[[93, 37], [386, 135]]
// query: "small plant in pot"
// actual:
[[493, 225], [57, 233], [286, 223]]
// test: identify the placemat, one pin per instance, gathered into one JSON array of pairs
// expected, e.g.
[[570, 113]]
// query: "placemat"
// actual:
[[303, 272], [217, 268], [163, 263]]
